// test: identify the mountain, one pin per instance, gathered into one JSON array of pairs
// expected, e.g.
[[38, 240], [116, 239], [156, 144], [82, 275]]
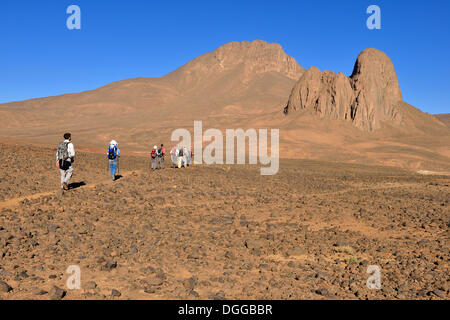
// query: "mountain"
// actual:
[[444, 118], [363, 118], [357, 118], [366, 98], [237, 80]]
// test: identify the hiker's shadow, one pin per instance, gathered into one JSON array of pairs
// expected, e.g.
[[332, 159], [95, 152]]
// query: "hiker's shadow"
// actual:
[[118, 177], [77, 185]]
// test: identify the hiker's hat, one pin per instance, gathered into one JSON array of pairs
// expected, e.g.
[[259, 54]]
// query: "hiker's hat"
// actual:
[[113, 143], [155, 147]]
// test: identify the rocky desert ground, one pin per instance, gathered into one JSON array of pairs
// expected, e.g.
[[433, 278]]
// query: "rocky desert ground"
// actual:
[[220, 232]]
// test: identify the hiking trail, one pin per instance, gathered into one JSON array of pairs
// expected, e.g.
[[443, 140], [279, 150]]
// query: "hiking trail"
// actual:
[[16, 201]]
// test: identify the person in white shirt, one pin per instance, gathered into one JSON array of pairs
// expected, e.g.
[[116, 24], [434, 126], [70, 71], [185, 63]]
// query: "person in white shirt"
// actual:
[[185, 156], [154, 156], [65, 156], [113, 154], [173, 154], [181, 157]]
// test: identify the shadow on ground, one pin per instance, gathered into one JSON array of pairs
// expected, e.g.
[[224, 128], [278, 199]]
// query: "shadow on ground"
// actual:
[[76, 185]]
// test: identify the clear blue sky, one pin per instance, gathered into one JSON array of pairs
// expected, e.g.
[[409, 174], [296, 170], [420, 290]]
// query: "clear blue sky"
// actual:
[[40, 57]]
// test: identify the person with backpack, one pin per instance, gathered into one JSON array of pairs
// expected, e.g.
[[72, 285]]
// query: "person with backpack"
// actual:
[[65, 157], [154, 155], [161, 154], [113, 154], [173, 155], [181, 158], [187, 157]]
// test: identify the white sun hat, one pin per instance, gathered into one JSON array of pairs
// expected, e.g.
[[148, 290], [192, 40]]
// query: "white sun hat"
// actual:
[[155, 147], [113, 143]]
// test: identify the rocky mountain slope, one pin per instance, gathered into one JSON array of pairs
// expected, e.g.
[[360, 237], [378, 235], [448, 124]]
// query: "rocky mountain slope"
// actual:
[[239, 79], [370, 95], [325, 108]]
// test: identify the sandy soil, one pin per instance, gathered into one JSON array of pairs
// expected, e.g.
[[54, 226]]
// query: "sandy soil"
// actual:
[[213, 232]]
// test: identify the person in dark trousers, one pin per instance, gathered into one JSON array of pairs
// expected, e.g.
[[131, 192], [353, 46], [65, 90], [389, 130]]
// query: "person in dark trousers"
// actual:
[[161, 153], [65, 157]]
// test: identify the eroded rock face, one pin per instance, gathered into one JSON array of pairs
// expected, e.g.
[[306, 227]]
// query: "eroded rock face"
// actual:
[[328, 93], [368, 96], [376, 90]]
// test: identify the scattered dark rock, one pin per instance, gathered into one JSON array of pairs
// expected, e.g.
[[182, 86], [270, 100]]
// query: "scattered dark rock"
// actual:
[[90, 285], [37, 279], [194, 293], [190, 283], [57, 293], [24, 274], [229, 255], [115, 293], [219, 296], [39, 292], [110, 265], [133, 249], [149, 290], [439, 293], [4, 287], [322, 291]]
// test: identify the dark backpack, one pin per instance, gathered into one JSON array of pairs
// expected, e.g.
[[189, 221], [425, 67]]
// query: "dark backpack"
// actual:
[[112, 153], [63, 151], [180, 153]]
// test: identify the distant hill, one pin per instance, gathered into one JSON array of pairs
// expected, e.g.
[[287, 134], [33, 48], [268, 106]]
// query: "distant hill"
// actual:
[[239, 79], [444, 118], [357, 118]]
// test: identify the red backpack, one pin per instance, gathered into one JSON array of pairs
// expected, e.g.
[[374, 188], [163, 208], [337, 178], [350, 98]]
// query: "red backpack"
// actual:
[[153, 153]]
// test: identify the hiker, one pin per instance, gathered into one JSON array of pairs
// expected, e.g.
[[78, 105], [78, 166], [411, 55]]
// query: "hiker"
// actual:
[[154, 155], [187, 154], [65, 157], [173, 155], [113, 158], [181, 158], [161, 153]]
